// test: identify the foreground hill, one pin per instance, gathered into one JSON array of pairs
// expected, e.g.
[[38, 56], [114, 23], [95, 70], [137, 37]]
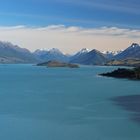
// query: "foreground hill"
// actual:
[[58, 64], [10, 53], [93, 57]]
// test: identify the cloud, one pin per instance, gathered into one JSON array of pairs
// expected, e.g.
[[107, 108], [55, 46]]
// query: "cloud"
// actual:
[[7, 28], [114, 31], [101, 31], [69, 38]]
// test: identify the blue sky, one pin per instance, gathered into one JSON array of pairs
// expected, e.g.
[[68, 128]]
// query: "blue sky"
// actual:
[[70, 25], [85, 13]]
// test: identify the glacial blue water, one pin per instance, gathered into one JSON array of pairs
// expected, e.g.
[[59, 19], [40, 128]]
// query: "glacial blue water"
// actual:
[[39, 103]]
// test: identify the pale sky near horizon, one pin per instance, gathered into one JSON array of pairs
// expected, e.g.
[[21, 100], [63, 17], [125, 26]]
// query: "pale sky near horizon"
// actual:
[[70, 25]]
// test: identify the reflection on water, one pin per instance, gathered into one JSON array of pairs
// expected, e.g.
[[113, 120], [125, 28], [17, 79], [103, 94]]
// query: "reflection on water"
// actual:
[[130, 103]]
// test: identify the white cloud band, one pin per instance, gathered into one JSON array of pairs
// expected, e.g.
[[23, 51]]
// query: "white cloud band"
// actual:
[[70, 39]]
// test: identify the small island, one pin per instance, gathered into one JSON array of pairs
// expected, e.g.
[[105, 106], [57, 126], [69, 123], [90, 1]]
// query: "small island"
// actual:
[[133, 73], [58, 64]]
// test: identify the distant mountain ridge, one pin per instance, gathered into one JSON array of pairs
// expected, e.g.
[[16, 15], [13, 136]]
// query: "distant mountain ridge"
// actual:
[[131, 52], [79, 54], [93, 57], [111, 54], [52, 54], [10, 53]]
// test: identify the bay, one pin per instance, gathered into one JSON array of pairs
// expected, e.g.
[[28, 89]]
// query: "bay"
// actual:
[[39, 103]]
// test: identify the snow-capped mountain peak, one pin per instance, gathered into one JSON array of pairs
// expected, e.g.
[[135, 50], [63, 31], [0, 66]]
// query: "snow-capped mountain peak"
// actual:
[[134, 45], [9, 45], [55, 50], [113, 53], [46, 51], [84, 50], [80, 53], [43, 49], [39, 52], [131, 52]]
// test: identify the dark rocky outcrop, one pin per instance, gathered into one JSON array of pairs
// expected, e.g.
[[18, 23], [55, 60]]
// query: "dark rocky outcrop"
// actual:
[[124, 73]]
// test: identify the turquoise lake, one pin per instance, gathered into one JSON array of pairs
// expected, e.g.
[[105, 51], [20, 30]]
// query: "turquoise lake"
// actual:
[[39, 103]]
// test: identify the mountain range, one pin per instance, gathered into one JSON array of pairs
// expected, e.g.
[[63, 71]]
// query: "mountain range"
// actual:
[[93, 57], [52, 54], [10, 53], [131, 52]]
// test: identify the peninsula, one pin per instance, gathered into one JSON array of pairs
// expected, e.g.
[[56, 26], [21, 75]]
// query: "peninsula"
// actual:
[[133, 73]]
